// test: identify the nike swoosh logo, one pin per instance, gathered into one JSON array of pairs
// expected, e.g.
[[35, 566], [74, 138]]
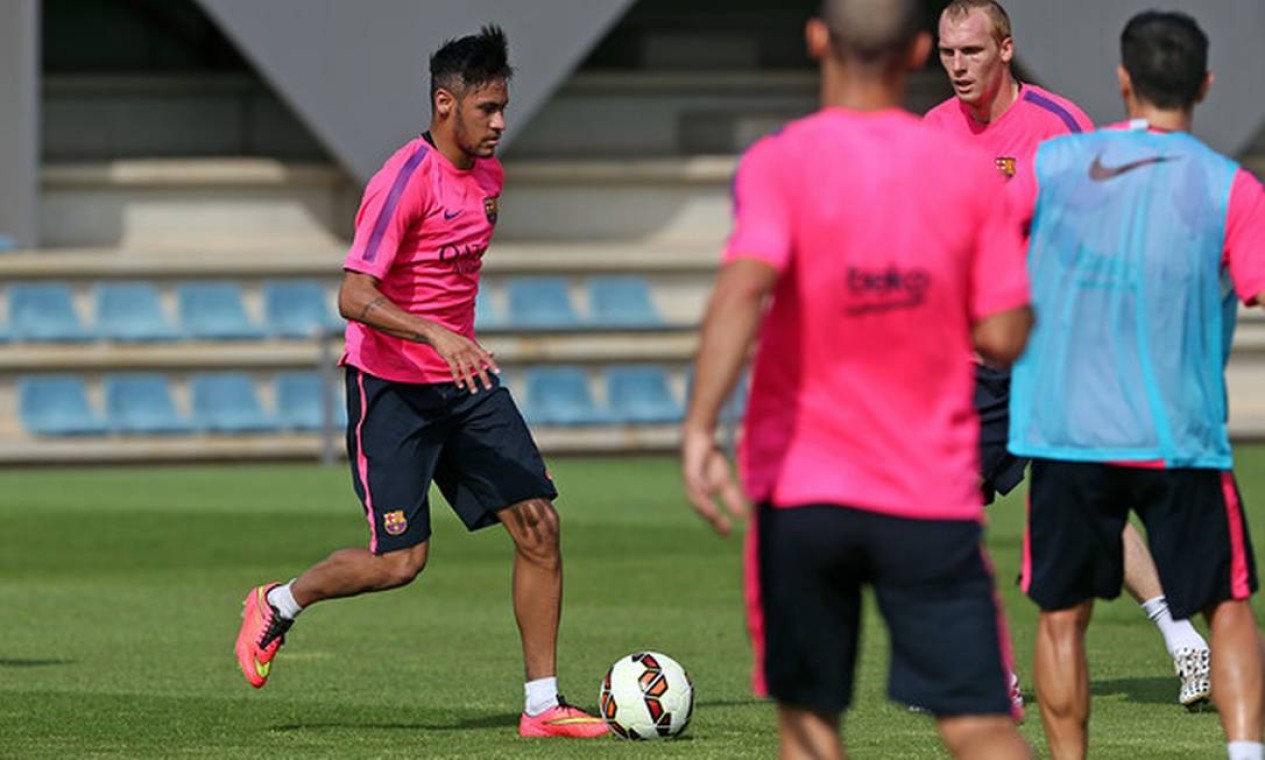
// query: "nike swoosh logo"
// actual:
[[449, 216], [1100, 172], [573, 721], [263, 668]]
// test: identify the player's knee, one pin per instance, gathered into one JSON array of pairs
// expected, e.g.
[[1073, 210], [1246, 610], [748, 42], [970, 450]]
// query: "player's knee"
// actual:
[[399, 568], [982, 735], [537, 527]]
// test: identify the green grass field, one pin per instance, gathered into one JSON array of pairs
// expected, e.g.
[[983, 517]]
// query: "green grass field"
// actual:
[[120, 591]]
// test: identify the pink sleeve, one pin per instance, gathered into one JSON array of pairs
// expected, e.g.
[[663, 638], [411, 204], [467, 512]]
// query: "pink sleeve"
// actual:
[[999, 276], [1081, 119], [762, 226], [394, 200], [1245, 237]]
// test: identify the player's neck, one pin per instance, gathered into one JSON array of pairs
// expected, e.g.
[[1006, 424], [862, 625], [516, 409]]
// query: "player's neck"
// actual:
[[994, 108], [842, 87], [1165, 120], [443, 142]]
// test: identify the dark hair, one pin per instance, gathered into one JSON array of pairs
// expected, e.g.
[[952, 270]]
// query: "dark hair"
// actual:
[[1166, 55], [471, 61], [873, 32]]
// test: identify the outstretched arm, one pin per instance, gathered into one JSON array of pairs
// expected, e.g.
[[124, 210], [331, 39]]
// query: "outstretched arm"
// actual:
[[359, 299]]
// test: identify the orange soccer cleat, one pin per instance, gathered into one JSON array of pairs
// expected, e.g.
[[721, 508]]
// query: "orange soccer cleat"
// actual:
[[562, 720], [261, 635]]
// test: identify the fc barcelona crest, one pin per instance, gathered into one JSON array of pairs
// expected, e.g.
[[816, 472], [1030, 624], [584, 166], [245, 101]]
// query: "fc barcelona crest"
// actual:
[[490, 207], [394, 523], [1006, 165]]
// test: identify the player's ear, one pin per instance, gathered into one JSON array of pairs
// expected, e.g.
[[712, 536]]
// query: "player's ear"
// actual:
[[1126, 83], [445, 102], [817, 37], [919, 49], [1008, 50], [1208, 80]]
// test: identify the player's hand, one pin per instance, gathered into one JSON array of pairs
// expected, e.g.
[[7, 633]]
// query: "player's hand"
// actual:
[[709, 482], [470, 363]]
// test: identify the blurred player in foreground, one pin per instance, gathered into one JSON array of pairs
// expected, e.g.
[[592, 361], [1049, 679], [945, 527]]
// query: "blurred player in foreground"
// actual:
[[424, 402], [1141, 237], [886, 252], [1010, 119]]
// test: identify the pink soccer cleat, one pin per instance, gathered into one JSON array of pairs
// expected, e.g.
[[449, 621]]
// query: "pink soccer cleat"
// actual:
[[261, 635], [562, 720]]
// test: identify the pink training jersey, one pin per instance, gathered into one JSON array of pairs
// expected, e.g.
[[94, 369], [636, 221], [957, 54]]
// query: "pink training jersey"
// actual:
[[1013, 137], [421, 232], [892, 239]]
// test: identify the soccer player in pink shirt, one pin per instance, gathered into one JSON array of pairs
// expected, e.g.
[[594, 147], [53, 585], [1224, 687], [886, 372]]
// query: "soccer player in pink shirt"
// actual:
[[884, 252], [424, 401], [1009, 119]]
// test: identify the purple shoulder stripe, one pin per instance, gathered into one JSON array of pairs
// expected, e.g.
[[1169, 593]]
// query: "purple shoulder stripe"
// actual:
[[393, 199], [1038, 99]]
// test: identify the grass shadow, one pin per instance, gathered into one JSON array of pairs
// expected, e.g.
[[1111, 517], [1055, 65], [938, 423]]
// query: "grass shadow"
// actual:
[[18, 662], [497, 720]]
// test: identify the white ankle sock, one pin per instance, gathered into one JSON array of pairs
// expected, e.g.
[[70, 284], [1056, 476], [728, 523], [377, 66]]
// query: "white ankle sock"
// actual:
[[281, 598], [542, 694], [1244, 750], [1178, 634]]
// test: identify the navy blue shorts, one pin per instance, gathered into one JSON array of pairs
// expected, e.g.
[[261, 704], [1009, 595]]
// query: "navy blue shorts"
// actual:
[[1195, 526], [474, 446], [1000, 471], [950, 652]]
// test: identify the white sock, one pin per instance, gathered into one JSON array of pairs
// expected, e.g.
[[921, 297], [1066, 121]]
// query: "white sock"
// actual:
[[282, 598], [1244, 750], [542, 694], [1178, 634]]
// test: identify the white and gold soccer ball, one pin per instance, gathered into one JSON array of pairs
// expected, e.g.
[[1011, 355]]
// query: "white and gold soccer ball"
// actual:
[[647, 695]]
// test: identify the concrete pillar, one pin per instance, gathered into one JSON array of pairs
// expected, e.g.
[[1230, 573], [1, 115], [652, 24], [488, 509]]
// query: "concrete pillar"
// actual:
[[19, 122]]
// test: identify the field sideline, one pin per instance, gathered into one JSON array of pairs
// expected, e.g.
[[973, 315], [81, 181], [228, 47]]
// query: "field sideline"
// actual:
[[120, 591]]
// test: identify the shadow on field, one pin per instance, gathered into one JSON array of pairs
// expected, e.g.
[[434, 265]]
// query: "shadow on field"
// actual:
[[1148, 691], [498, 720], [26, 663]]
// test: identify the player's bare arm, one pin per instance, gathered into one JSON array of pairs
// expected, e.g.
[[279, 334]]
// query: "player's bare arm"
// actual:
[[1000, 338], [732, 317], [360, 299]]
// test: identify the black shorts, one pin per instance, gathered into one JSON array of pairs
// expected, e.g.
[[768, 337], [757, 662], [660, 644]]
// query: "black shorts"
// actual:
[[474, 446], [950, 652], [1000, 471], [1195, 527]]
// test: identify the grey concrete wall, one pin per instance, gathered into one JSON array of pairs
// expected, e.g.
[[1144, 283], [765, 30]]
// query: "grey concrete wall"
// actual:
[[357, 71], [1073, 47], [19, 119]]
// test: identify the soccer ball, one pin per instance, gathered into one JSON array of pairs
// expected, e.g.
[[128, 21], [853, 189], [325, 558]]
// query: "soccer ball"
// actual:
[[647, 695]]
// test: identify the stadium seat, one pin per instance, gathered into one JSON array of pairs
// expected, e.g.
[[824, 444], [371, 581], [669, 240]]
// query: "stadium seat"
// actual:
[[7, 243], [141, 404], [57, 405], [641, 394], [622, 302], [298, 309], [227, 403], [214, 310], [486, 315], [132, 311], [540, 303], [560, 396], [299, 402], [44, 313]]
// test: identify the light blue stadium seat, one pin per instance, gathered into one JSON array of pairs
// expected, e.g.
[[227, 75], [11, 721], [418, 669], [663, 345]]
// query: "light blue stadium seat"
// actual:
[[57, 405], [132, 311], [641, 394], [486, 315], [7, 243], [298, 397], [622, 302], [141, 404], [540, 303], [298, 309], [561, 396], [44, 313], [214, 310], [227, 403]]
